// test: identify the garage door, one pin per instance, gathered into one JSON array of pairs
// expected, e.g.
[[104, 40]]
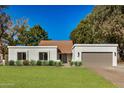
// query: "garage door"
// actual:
[[97, 59]]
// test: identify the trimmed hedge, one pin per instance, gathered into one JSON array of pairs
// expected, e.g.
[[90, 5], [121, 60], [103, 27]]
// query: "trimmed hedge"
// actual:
[[39, 62], [75, 63], [11, 62], [45, 63], [80, 63], [19, 63], [33, 63], [51, 63], [59, 63], [26, 62]]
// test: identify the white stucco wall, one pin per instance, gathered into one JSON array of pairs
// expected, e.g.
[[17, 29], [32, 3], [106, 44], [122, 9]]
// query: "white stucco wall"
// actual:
[[32, 52], [79, 48]]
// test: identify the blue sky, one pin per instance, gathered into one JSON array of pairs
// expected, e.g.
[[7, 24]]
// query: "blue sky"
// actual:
[[58, 20]]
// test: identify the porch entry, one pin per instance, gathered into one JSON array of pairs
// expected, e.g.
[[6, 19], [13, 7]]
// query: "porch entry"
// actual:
[[65, 58]]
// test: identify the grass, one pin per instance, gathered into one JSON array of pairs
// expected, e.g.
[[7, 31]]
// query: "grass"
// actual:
[[50, 77]]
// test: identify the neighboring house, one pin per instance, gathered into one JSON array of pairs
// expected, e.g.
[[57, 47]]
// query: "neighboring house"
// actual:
[[90, 54]]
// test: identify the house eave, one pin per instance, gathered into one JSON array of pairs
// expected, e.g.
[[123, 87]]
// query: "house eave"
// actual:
[[32, 46], [95, 45]]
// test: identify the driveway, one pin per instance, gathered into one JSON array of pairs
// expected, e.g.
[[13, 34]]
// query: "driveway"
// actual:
[[113, 74]]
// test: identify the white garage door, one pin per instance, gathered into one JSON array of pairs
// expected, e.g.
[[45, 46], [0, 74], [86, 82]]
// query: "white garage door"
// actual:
[[97, 59]]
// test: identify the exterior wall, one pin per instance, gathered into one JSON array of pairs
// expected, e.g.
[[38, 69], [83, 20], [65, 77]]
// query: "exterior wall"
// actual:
[[69, 57], [78, 49], [32, 52]]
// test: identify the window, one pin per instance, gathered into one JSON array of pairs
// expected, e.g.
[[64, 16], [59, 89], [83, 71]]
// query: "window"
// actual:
[[43, 56], [21, 55]]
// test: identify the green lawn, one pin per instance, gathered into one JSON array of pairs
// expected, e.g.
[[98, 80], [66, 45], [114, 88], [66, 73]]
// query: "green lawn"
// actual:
[[50, 77]]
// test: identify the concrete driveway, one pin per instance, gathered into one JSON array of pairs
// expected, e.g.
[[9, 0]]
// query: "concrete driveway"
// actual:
[[113, 74]]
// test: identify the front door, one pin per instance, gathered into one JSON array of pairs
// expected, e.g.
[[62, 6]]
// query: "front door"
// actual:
[[63, 58]]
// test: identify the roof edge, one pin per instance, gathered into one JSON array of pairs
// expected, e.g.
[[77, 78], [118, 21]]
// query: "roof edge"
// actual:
[[95, 45], [32, 46]]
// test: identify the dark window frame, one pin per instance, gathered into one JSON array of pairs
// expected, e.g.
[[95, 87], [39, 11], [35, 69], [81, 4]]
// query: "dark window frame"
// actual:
[[21, 56], [43, 55]]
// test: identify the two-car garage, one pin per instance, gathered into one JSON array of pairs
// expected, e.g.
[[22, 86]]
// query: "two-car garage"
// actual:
[[97, 58], [100, 55]]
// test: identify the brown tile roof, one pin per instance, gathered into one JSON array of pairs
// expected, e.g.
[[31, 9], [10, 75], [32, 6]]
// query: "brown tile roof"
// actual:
[[65, 46]]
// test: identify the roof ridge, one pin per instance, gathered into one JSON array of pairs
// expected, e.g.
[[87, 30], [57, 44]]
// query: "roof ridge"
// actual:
[[56, 40]]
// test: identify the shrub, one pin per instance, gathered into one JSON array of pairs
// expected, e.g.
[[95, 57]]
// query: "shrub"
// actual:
[[11, 63], [54, 63], [76, 63], [6, 62], [6, 59], [39, 62], [59, 63], [19, 63], [51, 63], [33, 62], [26, 62], [72, 63], [80, 63], [45, 63]]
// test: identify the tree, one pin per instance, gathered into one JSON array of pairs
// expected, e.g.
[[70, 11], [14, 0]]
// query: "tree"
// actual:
[[82, 33], [12, 34], [5, 23], [18, 33], [105, 24], [21, 34], [21, 28], [36, 34], [32, 36]]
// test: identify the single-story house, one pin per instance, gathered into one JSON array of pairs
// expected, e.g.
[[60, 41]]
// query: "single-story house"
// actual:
[[66, 51]]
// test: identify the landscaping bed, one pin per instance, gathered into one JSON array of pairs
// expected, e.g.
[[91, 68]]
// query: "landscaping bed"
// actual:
[[41, 63], [34, 63]]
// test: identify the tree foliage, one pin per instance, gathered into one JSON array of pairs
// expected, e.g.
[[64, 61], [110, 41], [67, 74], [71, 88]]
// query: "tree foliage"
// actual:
[[105, 24], [5, 24], [33, 36], [36, 34], [22, 34], [19, 32]]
